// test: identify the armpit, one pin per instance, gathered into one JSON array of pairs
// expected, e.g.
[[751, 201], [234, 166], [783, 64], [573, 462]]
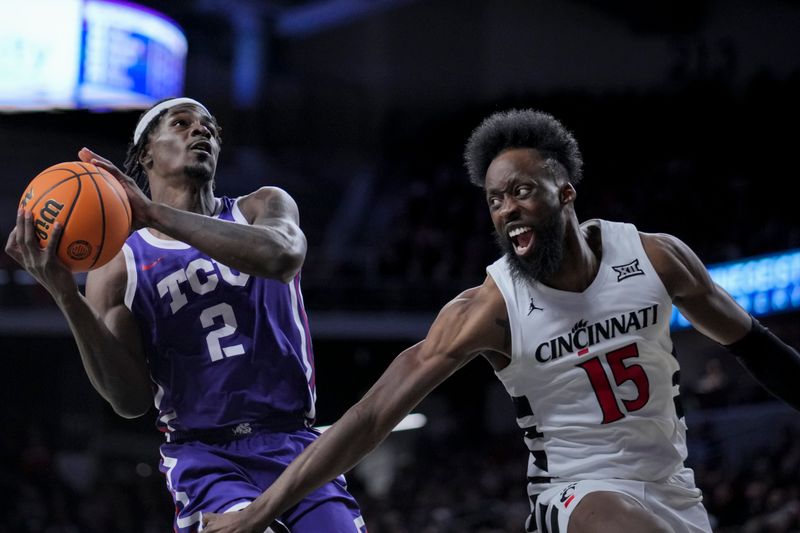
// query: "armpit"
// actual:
[[498, 360]]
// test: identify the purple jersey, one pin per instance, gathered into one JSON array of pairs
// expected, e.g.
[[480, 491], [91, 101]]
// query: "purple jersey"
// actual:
[[223, 347]]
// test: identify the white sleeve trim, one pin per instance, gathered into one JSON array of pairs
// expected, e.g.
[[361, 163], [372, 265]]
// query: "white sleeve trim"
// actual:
[[130, 265], [238, 216]]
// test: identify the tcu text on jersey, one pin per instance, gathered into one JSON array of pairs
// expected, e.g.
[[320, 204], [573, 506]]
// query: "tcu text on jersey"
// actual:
[[201, 276]]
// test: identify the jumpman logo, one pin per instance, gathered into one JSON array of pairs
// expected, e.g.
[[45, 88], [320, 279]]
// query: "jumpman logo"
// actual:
[[533, 308]]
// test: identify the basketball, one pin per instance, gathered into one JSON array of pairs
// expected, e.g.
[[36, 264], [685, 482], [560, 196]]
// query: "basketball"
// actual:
[[91, 206]]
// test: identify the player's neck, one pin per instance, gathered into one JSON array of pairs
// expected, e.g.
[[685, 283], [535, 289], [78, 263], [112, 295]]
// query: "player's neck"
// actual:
[[195, 199], [582, 253]]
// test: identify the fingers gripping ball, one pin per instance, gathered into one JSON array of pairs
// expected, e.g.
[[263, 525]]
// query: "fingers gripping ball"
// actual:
[[91, 206]]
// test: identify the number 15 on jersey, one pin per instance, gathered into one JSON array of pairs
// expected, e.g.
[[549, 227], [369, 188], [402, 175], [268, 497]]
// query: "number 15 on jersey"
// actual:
[[622, 371]]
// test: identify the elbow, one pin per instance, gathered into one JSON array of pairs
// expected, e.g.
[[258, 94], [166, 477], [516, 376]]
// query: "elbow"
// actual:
[[131, 408], [289, 266], [126, 412], [285, 265], [281, 256], [129, 414]]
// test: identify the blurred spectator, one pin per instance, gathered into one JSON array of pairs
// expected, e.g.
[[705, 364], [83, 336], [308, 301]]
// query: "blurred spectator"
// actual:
[[713, 388]]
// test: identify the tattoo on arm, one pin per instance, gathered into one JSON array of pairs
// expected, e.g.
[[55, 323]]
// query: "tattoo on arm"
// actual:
[[506, 333]]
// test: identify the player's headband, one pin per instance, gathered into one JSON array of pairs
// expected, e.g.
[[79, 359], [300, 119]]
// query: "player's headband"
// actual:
[[155, 110]]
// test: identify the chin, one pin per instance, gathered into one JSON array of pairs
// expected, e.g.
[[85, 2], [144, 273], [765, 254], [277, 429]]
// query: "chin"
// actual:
[[199, 173], [539, 263], [531, 268]]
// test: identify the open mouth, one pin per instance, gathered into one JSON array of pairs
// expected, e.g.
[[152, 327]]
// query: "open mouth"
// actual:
[[202, 146], [522, 239]]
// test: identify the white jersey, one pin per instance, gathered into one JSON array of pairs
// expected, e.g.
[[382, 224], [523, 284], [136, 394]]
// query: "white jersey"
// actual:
[[592, 374]]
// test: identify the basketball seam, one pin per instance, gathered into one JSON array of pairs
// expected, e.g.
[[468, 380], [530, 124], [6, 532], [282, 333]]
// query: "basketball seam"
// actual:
[[74, 176], [71, 209], [41, 196], [124, 201], [100, 247]]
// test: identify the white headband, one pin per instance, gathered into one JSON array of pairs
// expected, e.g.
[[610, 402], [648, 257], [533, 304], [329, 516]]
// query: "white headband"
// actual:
[[155, 110]]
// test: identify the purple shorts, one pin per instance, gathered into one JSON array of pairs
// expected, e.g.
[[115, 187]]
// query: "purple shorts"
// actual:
[[227, 476]]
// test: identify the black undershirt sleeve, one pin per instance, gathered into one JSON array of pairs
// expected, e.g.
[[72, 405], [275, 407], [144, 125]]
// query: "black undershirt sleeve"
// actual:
[[772, 362]]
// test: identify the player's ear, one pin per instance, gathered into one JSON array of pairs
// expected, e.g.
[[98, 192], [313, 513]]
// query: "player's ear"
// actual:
[[567, 193], [145, 158]]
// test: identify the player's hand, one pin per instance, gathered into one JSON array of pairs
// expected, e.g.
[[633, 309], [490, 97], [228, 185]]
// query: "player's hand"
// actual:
[[140, 203], [236, 522], [43, 264]]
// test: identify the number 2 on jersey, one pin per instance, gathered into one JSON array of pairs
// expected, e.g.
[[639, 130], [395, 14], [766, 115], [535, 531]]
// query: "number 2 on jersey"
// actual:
[[215, 348], [622, 373]]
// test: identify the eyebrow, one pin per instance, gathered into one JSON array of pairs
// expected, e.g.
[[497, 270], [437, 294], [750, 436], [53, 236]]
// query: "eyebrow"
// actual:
[[513, 180], [206, 120]]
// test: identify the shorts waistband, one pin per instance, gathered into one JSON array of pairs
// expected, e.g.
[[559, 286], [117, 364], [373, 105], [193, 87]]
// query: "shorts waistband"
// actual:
[[276, 423]]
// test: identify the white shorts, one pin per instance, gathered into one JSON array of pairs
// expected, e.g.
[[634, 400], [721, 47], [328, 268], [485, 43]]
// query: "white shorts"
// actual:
[[677, 501]]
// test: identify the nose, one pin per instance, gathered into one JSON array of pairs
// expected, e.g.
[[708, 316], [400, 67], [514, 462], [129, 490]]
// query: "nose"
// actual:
[[201, 129], [509, 210]]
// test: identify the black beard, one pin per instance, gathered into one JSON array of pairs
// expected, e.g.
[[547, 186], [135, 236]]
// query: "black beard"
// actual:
[[199, 173], [547, 253]]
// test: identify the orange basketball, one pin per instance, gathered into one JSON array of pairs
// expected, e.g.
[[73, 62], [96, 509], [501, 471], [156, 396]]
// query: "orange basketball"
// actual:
[[91, 206]]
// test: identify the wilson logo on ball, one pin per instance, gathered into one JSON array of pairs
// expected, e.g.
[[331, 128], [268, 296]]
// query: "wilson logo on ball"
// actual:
[[79, 250], [47, 215]]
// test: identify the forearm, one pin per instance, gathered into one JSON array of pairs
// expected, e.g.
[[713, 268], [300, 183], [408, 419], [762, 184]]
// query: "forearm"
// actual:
[[772, 362], [113, 370], [336, 451], [258, 250], [359, 431]]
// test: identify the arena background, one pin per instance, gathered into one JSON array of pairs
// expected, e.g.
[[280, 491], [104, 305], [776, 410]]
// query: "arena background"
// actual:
[[687, 116]]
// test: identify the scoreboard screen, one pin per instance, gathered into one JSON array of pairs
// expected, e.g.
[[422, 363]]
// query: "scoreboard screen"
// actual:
[[762, 285], [88, 54]]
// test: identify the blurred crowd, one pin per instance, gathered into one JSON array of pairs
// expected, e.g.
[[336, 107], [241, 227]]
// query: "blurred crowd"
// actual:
[[667, 162], [448, 485], [39, 491], [761, 496], [69, 465], [403, 228]]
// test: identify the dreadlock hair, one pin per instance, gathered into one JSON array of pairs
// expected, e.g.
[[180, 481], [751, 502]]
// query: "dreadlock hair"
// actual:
[[521, 128], [133, 165]]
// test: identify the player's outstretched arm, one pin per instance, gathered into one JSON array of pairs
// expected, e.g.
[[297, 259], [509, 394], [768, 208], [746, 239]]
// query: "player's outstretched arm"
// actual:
[[713, 312], [271, 246], [464, 328]]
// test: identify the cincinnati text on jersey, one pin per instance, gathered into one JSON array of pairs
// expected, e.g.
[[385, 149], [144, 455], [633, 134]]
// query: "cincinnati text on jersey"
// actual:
[[583, 336]]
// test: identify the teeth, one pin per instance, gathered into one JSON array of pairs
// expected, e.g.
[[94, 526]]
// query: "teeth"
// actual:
[[518, 231]]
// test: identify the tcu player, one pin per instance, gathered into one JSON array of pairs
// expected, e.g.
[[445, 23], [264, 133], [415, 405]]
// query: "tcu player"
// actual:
[[201, 311], [574, 319]]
